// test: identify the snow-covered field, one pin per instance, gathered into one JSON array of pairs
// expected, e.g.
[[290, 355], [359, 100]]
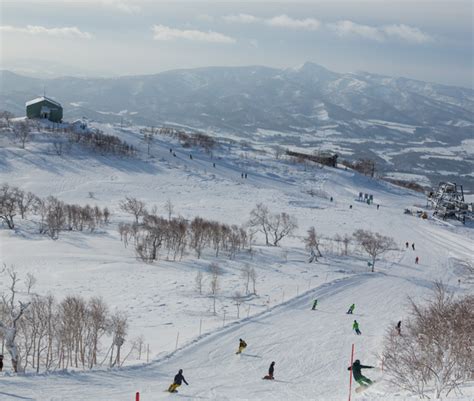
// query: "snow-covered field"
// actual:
[[311, 348]]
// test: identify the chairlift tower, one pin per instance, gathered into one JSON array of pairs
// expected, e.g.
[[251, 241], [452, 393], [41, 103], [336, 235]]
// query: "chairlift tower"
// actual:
[[448, 202]]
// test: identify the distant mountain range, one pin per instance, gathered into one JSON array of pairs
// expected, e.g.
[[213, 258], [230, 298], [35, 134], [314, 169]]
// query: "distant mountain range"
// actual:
[[409, 126]]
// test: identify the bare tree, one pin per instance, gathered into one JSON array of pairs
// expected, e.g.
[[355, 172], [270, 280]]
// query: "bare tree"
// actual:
[[280, 226], [169, 209], [8, 205], [7, 115], [253, 279], [246, 276], [374, 244], [30, 281], [238, 300], [259, 220], [198, 281], [118, 328], [22, 132], [9, 330], [134, 207], [435, 350], [312, 243], [215, 271]]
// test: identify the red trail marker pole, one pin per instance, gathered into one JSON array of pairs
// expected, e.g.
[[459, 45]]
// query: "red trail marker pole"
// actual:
[[137, 396], [350, 372]]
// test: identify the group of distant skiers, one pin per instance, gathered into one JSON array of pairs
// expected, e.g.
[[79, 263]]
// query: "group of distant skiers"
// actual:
[[407, 245]]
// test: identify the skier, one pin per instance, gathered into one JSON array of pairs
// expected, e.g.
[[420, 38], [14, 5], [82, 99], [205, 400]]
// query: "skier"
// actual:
[[315, 303], [351, 309], [350, 206], [358, 376], [378, 206], [413, 246], [214, 165], [407, 244], [355, 327], [417, 259], [270, 372], [178, 380], [399, 327], [1, 363], [245, 175], [191, 157], [242, 346]]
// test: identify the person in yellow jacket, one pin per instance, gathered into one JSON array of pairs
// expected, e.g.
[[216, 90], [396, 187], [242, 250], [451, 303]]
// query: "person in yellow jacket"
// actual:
[[242, 346]]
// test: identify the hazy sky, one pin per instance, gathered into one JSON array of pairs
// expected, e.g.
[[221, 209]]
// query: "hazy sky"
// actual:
[[429, 40]]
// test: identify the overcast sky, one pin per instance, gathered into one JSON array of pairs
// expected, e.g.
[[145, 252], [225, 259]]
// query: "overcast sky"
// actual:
[[429, 40]]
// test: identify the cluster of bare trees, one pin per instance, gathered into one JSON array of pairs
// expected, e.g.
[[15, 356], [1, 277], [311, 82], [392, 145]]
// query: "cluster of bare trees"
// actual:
[[103, 143], [435, 351], [274, 226], [373, 244], [45, 334], [54, 215], [152, 234], [188, 139]]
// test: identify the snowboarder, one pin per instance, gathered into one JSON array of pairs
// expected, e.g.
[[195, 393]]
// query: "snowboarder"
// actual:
[[1, 363], [355, 327], [413, 246], [351, 309], [417, 259], [191, 157], [245, 175], [242, 346], [399, 327], [270, 372], [332, 199], [171, 150], [358, 376], [241, 175], [350, 206], [378, 206], [178, 380], [407, 244], [214, 165], [315, 303]]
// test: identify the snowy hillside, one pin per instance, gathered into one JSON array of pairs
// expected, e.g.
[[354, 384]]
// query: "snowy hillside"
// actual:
[[311, 348], [407, 126]]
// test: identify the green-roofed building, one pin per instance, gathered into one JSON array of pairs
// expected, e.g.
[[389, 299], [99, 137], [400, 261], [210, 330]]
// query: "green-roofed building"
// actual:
[[44, 107]]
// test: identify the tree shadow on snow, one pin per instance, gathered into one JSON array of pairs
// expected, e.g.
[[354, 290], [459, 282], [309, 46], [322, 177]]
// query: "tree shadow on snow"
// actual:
[[16, 396]]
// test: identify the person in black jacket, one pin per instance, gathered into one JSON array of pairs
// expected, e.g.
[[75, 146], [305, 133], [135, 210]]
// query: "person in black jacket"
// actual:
[[1, 363], [358, 376], [271, 369], [178, 380]]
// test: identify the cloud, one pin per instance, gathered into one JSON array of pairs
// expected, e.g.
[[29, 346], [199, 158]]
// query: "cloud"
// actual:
[[70, 31], [408, 33], [242, 18], [283, 21], [380, 33], [123, 5], [280, 21], [161, 32], [349, 28]]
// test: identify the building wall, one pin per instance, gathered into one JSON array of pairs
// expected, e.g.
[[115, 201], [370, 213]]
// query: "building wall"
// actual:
[[34, 111]]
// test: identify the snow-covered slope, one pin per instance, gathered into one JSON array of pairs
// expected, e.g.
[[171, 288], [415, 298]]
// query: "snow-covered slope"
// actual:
[[311, 348]]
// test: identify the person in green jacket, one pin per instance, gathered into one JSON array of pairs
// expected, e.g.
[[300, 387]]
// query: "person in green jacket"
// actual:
[[315, 303], [358, 376], [351, 309], [355, 327]]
